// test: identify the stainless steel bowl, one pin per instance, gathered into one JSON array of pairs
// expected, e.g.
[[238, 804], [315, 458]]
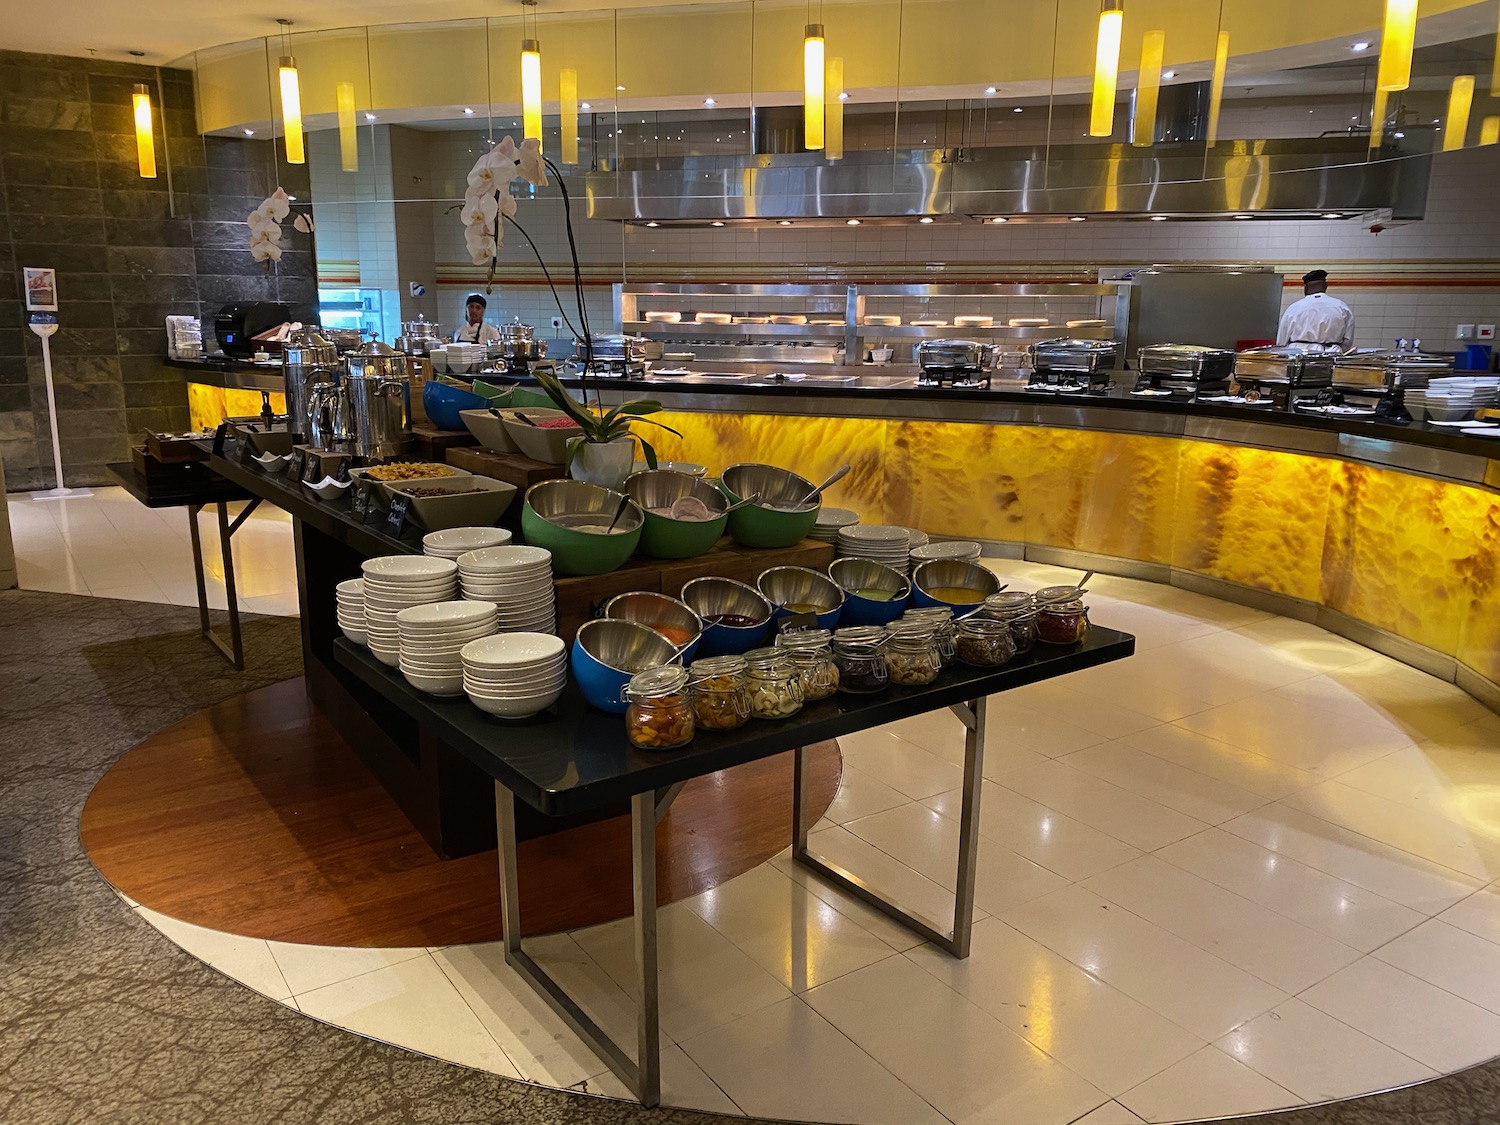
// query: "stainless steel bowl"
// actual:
[[862, 574], [797, 585], [661, 488], [562, 502], [712, 596], [772, 483], [624, 645], [651, 609], [955, 574]]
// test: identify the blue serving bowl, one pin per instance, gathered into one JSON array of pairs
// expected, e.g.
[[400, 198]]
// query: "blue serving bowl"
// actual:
[[798, 585], [976, 582], [443, 404], [607, 653], [717, 595], [863, 574]]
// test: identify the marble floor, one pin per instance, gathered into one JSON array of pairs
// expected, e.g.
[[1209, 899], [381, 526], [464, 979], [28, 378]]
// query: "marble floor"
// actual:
[[1253, 867]]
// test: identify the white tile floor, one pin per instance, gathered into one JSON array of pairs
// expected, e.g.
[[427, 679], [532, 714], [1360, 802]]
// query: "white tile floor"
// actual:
[[1254, 866]]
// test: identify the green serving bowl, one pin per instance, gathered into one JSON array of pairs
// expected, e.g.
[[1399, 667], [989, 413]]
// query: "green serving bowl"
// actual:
[[664, 537], [762, 524], [554, 508]]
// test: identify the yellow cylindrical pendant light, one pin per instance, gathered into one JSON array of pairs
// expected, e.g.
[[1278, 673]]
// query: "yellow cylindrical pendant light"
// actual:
[[1489, 130], [291, 111], [1397, 38], [348, 134], [1147, 88], [835, 146], [814, 86], [1377, 119], [531, 88], [1460, 101], [567, 97], [1216, 87], [145, 139], [1106, 68]]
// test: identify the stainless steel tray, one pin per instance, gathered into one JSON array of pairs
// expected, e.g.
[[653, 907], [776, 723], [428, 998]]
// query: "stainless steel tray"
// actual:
[[1187, 361]]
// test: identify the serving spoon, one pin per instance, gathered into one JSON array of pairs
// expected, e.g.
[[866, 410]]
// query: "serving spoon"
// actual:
[[837, 476]]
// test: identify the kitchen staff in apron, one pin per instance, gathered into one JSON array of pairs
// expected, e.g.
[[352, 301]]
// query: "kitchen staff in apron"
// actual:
[[476, 331], [1317, 318]]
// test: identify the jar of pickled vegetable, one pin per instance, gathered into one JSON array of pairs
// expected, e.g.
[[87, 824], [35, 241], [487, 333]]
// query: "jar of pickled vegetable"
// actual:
[[911, 652], [659, 715], [774, 683], [1062, 623], [1018, 610], [811, 651], [940, 617], [721, 697], [859, 652], [985, 642]]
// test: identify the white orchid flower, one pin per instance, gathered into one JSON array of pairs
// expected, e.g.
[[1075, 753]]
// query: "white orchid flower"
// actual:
[[481, 211], [260, 221], [265, 251], [483, 179], [277, 205], [270, 237], [482, 248], [507, 204], [529, 161]]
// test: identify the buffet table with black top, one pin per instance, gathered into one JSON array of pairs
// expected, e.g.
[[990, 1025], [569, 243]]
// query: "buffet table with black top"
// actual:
[[571, 760]]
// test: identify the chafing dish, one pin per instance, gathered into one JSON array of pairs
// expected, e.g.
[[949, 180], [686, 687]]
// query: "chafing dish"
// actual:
[[619, 355], [1182, 369], [1283, 375], [957, 363], [1374, 382], [519, 346], [419, 337], [1072, 366]]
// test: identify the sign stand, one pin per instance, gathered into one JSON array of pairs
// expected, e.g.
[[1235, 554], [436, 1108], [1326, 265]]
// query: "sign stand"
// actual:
[[44, 325]]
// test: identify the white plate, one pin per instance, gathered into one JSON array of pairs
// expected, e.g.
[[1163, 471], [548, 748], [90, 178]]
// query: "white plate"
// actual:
[[873, 533], [441, 615], [455, 541], [409, 568], [515, 649]]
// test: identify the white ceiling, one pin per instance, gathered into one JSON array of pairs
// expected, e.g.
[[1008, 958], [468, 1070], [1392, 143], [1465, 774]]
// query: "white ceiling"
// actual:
[[169, 31]]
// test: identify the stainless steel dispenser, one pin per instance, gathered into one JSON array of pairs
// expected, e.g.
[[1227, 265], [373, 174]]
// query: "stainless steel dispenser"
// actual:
[[308, 358], [377, 390]]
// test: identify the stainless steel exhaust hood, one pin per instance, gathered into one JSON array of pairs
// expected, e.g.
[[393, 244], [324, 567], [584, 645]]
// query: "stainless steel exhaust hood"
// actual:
[[1275, 178]]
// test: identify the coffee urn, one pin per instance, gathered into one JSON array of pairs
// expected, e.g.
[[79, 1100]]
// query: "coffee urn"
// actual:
[[377, 386], [307, 359]]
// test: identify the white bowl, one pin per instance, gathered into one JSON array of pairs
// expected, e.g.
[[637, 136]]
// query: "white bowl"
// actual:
[[443, 615], [514, 649], [507, 559], [454, 541], [534, 685], [271, 462], [330, 489], [358, 636], [447, 686], [408, 568], [388, 657], [516, 708], [351, 588]]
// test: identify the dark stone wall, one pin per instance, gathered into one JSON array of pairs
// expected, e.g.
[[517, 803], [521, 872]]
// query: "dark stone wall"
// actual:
[[128, 252]]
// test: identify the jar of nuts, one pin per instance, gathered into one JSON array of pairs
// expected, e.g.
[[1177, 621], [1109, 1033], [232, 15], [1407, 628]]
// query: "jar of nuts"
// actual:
[[859, 652], [660, 711], [985, 642], [721, 700], [1018, 610], [1062, 623], [940, 617], [911, 652], [812, 654], [774, 683]]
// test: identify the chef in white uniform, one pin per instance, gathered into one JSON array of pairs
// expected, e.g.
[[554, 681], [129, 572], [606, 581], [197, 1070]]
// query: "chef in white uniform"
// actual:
[[476, 331], [1317, 318]]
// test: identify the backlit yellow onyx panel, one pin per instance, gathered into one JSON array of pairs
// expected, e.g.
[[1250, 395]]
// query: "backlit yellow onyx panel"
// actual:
[[1252, 516], [1110, 494], [1401, 552], [951, 478], [208, 406]]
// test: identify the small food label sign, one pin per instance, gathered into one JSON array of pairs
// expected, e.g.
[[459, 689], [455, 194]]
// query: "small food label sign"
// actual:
[[298, 464], [395, 518], [364, 494]]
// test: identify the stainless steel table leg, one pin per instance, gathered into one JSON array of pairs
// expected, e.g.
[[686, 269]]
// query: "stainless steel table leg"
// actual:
[[234, 651], [956, 939], [203, 622], [642, 1074]]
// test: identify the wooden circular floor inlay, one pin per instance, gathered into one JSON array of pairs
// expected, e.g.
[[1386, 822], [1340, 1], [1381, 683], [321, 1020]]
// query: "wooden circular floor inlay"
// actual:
[[255, 817]]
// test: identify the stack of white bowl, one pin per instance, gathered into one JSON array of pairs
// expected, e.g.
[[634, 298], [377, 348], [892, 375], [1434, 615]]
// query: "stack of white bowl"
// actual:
[[882, 543], [454, 541], [1455, 398], [432, 636], [965, 550], [514, 675], [397, 582], [830, 522], [518, 580], [351, 603]]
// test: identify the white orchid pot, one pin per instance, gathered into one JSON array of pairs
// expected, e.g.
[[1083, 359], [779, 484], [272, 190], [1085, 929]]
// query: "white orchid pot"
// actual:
[[604, 463]]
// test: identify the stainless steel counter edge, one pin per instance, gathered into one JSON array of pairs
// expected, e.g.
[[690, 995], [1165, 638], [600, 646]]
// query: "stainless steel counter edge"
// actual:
[[1407, 457]]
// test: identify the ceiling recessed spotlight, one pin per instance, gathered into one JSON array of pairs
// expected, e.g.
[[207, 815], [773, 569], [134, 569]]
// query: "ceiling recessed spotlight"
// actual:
[[989, 91], [1158, 218], [1332, 215], [249, 132], [709, 101], [584, 105], [999, 219], [784, 223], [851, 222], [653, 223], [1077, 218], [843, 95], [620, 89], [1362, 45], [1399, 136], [1244, 216], [291, 199], [369, 117], [468, 112], [1016, 110], [717, 223], [1169, 74], [925, 219]]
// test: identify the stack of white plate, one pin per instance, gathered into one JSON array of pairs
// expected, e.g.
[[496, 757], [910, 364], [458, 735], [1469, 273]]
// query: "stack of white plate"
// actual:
[[830, 521], [514, 675], [431, 638], [351, 602], [890, 546], [965, 550], [1454, 398], [518, 580], [397, 582], [915, 538], [454, 541]]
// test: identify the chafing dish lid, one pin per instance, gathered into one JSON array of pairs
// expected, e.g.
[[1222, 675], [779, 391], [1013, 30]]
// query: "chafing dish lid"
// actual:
[[1404, 361], [1293, 351], [1064, 345], [1198, 352]]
